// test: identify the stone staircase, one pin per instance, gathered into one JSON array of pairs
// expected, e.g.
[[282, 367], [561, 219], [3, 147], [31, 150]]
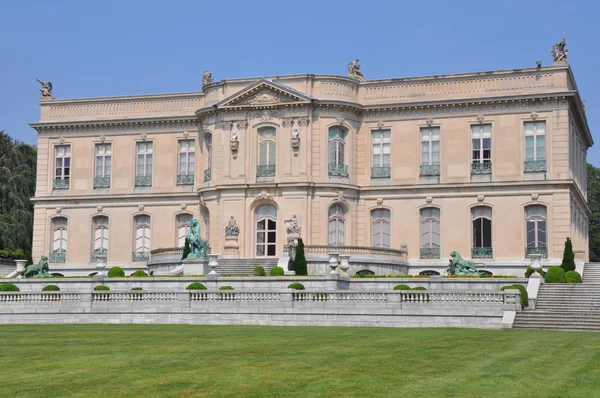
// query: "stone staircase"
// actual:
[[6, 267], [591, 273], [561, 306], [245, 265]]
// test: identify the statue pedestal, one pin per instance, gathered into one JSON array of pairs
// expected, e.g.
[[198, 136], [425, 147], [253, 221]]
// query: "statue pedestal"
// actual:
[[231, 248], [195, 266], [284, 261]]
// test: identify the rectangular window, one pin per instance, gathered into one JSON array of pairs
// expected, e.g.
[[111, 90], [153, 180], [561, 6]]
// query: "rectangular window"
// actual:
[[430, 146], [380, 166], [144, 164], [535, 141], [62, 166], [481, 135], [103, 165], [187, 161]]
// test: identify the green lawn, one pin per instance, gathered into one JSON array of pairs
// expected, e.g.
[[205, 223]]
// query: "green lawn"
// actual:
[[255, 361]]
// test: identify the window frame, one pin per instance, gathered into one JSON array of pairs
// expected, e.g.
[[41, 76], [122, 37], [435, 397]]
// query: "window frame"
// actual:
[[270, 142], [62, 167], [339, 221], [535, 136], [378, 223], [267, 231], [188, 153], [430, 141], [339, 143], [382, 144], [536, 218], [146, 155], [481, 150]]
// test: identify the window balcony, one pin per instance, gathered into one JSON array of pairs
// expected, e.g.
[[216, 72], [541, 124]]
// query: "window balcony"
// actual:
[[535, 165], [140, 256], [61, 183], [97, 255], [430, 170], [101, 182], [482, 252], [185, 179], [143, 181], [378, 172], [481, 167], [536, 250], [58, 257], [207, 175], [338, 170], [265, 170], [430, 252]]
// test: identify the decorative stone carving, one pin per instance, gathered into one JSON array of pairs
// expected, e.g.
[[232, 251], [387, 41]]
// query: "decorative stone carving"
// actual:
[[202, 201], [242, 124], [264, 195], [293, 229], [58, 210], [380, 124], [344, 264], [379, 201], [559, 52], [141, 207], [227, 124], [266, 115], [288, 122], [232, 230], [354, 70], [303, 122], [428, 200], [213, 263], [480, 119], [46, 90], [534, 116], [339, 197], [144, 136], [429, 122], [295, 136], [61, 140], [231, 246], [534, 196], [183, 206], [340, 120], [206, 78], [102, 138], [333, 262], [186, 134], [480, 198]]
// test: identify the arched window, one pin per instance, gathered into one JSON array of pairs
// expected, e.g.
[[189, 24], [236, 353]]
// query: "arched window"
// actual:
[[482, 232], [337, 143], [364, 272], [267, 143], [142, 237], [183, 222], [208, 143], [337, 219], [99, 238], [59, 240], [430, 233], [535, 229], [380, 228], [429, 272], [266, 230]]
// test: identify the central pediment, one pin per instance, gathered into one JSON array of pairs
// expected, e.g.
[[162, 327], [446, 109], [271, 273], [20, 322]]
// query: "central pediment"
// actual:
[[264, 93]]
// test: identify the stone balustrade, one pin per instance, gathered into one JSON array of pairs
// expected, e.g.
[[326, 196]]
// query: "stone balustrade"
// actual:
[[365, 250], [38, 297]]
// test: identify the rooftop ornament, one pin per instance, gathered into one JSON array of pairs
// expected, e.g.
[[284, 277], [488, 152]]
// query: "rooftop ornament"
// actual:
[[206, 78], [46, 89], [559, 52], [354, 70]]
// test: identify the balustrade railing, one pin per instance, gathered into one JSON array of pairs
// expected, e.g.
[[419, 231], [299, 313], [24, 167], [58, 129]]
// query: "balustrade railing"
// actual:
[[430, 170], [482, 252], [185, 179], [481, 168], [338, 170], [429, 252], [381, 172], [38, 297], [140, 256], [143, 181], [102, 182], [58, 257], [166, 251], [535, 165], [335, 297], [97, 255], [324, 249], [99, 296], [61, 183], [265, 170], [234, 296], [536, 250]]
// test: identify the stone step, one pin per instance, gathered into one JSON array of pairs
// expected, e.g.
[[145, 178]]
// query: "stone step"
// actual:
[[569, 328]]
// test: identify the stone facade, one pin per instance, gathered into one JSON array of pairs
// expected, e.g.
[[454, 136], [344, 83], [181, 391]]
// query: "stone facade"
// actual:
[[467, 162]]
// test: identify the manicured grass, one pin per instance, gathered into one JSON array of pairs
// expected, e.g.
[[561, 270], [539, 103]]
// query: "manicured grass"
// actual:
[[255, 361]]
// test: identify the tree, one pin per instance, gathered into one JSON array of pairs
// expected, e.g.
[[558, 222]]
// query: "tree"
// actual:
[[17, 185], [593, 186], [568, 261], [299, 265], [186, 249]]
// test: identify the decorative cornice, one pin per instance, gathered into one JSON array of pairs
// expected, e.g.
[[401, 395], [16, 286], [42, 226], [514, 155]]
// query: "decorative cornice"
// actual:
[[116, 126]]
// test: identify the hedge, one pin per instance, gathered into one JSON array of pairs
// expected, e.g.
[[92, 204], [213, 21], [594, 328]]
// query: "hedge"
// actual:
[[137, 288], [8, 287], [13, 254], [138, 274], [419, 288], [116, 272], [196, 286], [530, 272], [401, 287], [573, 277], [226, 288], [523, 290], [102, 287], [259, 271], [277, 271], [296, 285], [555, 275], [50, 288]]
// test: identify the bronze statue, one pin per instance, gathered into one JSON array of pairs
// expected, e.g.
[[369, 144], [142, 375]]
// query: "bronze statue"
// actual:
[[39, 270], [459, 266], [198, 246]]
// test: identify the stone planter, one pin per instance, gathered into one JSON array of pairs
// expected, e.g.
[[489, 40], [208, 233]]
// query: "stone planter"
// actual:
[[213, 263], [20, 267], [535, 262], [334, 259], [344, 263]]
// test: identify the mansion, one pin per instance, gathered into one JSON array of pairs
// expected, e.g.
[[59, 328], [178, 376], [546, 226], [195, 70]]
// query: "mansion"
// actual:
[[491, 165]]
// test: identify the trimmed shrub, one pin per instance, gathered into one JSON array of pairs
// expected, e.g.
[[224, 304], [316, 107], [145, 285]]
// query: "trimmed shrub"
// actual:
[[116, 272], [8, 287], [300, 266], [50, 288], [401, 287], [277, 271], [296, 286], [555, 275], [137, 288], [13, 254], [259, 271], [419, 288], [523, 290], [196, 286], [226, 288], [530, 272], [102, 287], [138, 274], [573, 277], [568, 261], [186, 249]]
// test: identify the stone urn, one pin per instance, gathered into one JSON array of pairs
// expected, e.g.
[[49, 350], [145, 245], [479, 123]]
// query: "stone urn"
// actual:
[[100, 266], [213, 263], [535, 262], [333, 262], [20, 267], [344, 263]]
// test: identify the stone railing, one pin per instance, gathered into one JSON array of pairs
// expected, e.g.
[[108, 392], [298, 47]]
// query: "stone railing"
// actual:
[[38, 297], [361, 250], [381, 172], [338, 170], [535, 165], [167, 251], [345, 297], [481, 167], [249, 297], [125, 297], [185, 179]]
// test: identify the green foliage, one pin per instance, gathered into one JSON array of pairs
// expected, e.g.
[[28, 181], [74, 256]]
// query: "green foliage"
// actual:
[[296, 286], [137, 288], [593, 197], [401, 287], [17, 185], [186, 249], [14, 254], [8, 287], [196, 286], [259, 271], [226, 288], [529, 271], [277, 271], [299, 265], [568, 261], [116, 272], [419, 288], [50, 288], [555, 275], [102, 287], [523, 290], [139, 274], [573, 277]]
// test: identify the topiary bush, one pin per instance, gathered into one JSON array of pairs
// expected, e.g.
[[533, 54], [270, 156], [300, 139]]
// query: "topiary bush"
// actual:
[[401, 287], [555, 275], [138, 274], [8, 287], [137, 288], [573, 277], [296, 286], [529, 271], [186, 249], [226, 288], [299, 265], [50, 288], [523, 290], [196, 286], [102, 287], [419, 288], [568, 261], [277, 271], [116, 272], [259, 271]]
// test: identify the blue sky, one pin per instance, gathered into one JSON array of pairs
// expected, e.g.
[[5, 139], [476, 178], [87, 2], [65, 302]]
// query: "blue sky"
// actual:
[[105, 48]]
